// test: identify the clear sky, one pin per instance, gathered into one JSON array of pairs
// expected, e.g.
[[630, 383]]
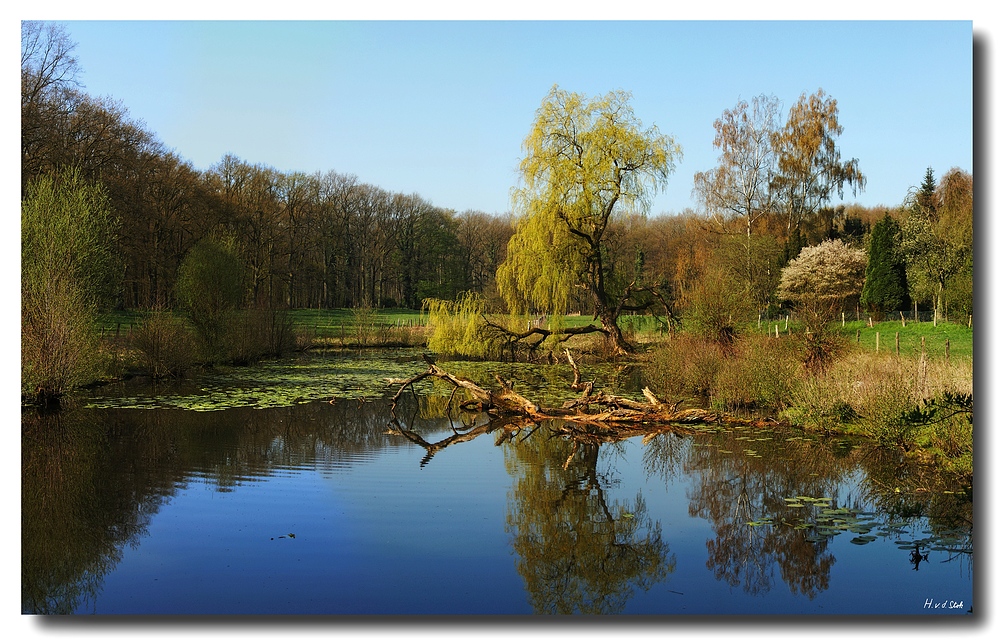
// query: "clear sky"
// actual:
[[441, 108]]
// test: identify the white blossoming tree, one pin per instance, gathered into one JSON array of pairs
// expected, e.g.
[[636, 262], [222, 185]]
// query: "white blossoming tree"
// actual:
[[823, 278]]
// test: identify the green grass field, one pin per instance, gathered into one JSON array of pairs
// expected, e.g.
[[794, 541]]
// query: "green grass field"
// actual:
[[342, 323], [949, 338], [946, 337]]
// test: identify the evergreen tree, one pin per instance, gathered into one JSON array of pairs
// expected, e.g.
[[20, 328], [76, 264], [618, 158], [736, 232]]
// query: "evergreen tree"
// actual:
[[925, 196], [885, 286]]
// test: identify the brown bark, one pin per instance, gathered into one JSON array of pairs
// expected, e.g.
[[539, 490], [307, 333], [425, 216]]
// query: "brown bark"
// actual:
[[597, 414]]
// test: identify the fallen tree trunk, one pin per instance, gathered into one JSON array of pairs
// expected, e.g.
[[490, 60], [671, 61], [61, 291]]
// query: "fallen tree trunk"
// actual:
[[613, 412]]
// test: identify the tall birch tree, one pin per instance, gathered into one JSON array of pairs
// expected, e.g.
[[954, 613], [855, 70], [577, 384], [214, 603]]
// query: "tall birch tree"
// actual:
[[810, 170]]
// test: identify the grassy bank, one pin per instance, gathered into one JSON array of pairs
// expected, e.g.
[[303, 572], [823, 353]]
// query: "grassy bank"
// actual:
[[340, 327], [918, 401], [361, 327]]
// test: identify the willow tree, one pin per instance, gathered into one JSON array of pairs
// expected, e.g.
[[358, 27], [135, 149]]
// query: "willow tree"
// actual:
[[586, 161]]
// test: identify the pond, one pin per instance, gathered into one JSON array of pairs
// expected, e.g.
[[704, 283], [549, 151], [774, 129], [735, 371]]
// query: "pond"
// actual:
[[297, 488]]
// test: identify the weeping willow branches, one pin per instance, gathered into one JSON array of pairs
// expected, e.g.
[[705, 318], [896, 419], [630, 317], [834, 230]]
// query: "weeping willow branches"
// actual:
[[587, 160]]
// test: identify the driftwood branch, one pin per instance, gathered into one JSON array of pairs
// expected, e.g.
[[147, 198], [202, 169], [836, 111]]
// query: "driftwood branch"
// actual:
[[597, 415]]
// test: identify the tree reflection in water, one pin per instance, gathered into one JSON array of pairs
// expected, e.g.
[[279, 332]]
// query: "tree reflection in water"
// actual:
[[738, 482], [776, 502], [579, 552], [92, 479]]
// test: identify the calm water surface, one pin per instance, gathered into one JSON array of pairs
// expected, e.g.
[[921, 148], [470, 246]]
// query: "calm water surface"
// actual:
[[300, 506]]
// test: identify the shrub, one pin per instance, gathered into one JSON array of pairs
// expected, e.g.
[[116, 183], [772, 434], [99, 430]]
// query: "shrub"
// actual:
[[67, 272], [685, 365], [57, 342], [759, 374], [255, 334], [166, 344], [716, 306], [816, 403], [756, 371], [210, 287]]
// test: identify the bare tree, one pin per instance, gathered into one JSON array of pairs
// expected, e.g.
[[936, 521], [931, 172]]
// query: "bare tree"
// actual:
[[47, 61], [739, 188]]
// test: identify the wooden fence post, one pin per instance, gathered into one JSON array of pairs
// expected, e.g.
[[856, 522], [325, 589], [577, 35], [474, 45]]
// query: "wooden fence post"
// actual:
[[897, 343], [947, 351], [902, 318], [876, 341]]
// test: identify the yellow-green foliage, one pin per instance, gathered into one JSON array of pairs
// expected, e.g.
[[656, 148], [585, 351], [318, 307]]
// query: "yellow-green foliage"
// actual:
[[458, 328], [67, 272], [585, 159]]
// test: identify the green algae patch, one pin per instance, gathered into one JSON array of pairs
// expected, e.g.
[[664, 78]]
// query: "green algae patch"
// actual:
[[335, 376], [269, 385]]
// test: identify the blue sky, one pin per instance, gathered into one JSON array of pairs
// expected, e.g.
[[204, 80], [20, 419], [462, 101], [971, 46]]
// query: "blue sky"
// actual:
[[441, 108]]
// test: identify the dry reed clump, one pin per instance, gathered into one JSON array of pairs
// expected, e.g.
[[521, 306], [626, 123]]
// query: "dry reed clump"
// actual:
[[750, 372], [166, 345], [874, 392], [685, 365], [758, 373]]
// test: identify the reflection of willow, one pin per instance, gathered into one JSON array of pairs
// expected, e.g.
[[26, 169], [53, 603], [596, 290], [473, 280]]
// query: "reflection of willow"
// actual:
[[733, 488], [578, 551]]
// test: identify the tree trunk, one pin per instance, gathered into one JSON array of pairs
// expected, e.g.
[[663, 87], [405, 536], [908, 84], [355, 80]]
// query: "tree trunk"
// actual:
[[619, 344]]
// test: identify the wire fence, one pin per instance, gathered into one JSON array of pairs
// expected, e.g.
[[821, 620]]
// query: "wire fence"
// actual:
[[903, 316]]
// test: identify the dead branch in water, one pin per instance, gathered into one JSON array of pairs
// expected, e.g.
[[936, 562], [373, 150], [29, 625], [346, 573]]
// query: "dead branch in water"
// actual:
[[600, 416]]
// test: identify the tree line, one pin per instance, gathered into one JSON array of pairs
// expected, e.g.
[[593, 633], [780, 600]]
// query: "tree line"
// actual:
[[581, 239], [305, 240]]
